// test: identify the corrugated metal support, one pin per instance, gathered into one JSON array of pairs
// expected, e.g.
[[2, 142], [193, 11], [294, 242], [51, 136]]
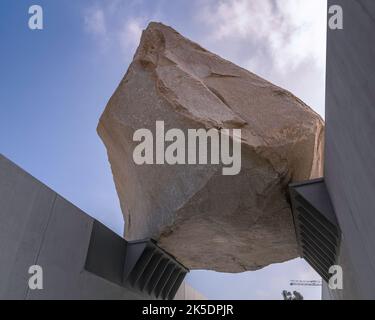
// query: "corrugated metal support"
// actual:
[[141, 265], [317, 230]]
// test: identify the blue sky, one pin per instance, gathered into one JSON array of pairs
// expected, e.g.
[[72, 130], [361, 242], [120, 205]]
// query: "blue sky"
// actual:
[[56, 82]]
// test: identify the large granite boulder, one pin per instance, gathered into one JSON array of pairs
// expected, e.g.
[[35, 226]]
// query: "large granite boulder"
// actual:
[[207, 220]]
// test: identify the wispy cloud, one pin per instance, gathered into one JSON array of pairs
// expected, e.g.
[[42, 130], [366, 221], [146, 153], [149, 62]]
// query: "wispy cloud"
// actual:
[[117, 25], [130, 33], [237, 18], [281, 40], [301, 35], [94, 19], [288, 31]]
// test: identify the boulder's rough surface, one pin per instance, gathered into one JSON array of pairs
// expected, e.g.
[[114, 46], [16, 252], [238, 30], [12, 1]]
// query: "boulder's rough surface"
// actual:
[[207, 220]]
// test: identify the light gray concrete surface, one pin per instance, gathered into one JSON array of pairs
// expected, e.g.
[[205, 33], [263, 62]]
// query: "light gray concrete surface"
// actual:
[[39, 227], [186, 292], [350, 144]]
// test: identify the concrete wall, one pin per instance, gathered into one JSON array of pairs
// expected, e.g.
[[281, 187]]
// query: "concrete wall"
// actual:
[[37, 226], [350, 144], [186, 292]]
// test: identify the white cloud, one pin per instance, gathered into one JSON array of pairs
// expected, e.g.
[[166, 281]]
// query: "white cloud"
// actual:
[[291, 31], [280, 40], [130, 34], [238, 18], [94, 20], [302, 33], [283, 41], [117, 25]]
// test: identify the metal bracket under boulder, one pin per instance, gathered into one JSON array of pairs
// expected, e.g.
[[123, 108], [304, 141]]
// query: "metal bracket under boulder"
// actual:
[[140, 265], [317, 230]]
